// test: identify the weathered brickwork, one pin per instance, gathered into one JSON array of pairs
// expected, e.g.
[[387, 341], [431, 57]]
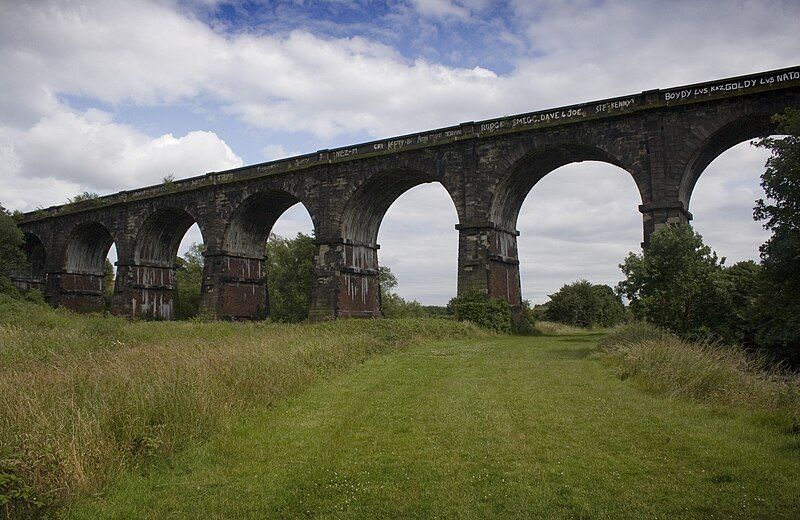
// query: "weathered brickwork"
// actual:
[[664, 138]]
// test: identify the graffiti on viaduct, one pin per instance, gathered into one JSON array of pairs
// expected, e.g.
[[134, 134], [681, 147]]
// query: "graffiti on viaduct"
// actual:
[[663, 138]]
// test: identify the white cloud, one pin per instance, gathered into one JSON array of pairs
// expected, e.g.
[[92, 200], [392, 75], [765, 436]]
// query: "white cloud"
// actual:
[[440, 8], [273, 152], [144, 53], [89, 151]]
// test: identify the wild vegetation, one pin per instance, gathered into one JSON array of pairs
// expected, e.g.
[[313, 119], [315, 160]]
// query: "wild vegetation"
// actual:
[[494, 427], [11, 241], [585, 305], [85, 398], [705, 371], [778, 314], [86, 196]]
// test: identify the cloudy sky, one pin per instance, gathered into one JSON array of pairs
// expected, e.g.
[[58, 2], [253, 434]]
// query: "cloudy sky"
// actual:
[[115, 94]]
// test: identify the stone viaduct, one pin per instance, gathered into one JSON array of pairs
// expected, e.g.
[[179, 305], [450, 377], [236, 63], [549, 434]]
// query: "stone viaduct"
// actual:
[[663, 138]]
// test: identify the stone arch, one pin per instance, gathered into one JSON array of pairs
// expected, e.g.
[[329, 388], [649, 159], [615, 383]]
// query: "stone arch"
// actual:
[[347, 266], [80, 284], [160, 236], [150, 277], [36, 255], [531, 167], [727, 135], [87, 248], [238, 268], [249, 228], [366, 207]]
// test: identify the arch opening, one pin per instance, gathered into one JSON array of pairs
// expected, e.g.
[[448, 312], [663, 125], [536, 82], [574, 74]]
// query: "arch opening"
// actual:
[[36, 257], [526, 172], [154, 274], [87, 280], [87, 249], [419, 245], [726, 137], [578, 222], [362, 221], [251, 225], [267, 274], [160, 237], [32, 275], [364, 212], [723, 198]]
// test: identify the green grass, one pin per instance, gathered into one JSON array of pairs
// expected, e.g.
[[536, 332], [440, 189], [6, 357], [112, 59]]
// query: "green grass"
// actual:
[[704, 371], [383, 419], [85, 399], [475, 428]]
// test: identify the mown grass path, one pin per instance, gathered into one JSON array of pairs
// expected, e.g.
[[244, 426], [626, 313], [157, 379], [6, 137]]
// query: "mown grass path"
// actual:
[[508, 427]]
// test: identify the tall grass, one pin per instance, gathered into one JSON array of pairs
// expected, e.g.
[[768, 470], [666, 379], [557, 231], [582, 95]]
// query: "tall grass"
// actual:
[[554, 328], [705, 371], [83, 398]]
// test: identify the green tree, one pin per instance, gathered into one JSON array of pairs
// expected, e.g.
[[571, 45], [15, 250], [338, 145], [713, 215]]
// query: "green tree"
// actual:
[[188, 281], [392, 304], [585, 305], [289, 266], [740, 288], [386, 279], [436, 310], [12, 240], [676, 282], [779, 307]]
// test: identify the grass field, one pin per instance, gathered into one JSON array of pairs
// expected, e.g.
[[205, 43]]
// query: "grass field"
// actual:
[[86, 399], [476, 428]]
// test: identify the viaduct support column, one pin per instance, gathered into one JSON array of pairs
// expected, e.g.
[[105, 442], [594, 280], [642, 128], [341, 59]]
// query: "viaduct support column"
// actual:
[[656, 215], [80, 292], [234, 287], [345, 283], [488, 262], [145, 291], [27, 282]]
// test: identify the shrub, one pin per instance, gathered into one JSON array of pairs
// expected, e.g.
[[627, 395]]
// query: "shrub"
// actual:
[[488, 313], [585, 305], [17, 498], [87, 197], [525, 325]]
